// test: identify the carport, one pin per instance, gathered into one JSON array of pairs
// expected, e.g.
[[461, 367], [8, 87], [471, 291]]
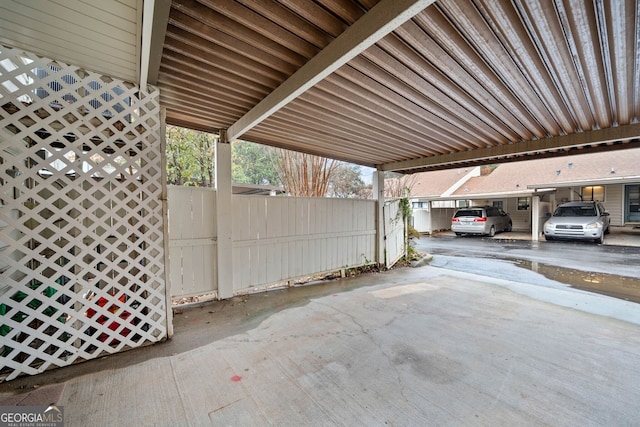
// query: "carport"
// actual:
[[399, 85]]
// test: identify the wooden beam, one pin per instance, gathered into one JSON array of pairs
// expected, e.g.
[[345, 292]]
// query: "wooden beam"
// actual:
[[154, 28], [382, 19], [574, 140]]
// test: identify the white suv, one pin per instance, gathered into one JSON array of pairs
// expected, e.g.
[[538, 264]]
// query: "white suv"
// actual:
[[578, 220]]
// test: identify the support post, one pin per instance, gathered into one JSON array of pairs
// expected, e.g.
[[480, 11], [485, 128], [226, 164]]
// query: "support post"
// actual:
[[535, 218], [224, 217], [165, 220], [378, 195]]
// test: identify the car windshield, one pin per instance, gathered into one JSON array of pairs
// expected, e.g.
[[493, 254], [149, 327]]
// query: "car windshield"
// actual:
[[469, 212], [575, 211]]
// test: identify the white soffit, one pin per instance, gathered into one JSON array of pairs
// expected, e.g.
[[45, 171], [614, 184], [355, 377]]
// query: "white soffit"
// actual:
[[102, 36]]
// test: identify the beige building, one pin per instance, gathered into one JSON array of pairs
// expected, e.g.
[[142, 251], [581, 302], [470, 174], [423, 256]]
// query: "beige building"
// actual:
[[530, 190]]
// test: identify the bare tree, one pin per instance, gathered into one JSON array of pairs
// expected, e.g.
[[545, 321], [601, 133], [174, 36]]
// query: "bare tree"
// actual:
[[398, 186], [304, 175]]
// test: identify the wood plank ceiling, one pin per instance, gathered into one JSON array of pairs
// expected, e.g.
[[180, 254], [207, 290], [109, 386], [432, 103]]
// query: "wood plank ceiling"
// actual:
[[462, 82]]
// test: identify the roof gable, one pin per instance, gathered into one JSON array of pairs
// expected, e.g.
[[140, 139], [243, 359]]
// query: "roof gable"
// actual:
[[437, 183]]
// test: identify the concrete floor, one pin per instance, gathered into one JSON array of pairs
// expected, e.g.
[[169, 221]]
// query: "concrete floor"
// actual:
[[423, 346]]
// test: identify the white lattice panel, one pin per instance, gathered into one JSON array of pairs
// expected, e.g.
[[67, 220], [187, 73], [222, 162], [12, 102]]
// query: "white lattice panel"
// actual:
[[81, 244]]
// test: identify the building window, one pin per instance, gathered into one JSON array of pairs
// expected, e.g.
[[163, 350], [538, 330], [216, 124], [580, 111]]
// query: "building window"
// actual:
[[463, 203], [593, 194], [420, 205], [498, 204], [523, 203]]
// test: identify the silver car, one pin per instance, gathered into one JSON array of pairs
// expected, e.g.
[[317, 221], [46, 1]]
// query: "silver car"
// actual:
[[483, 220], [578, 220]]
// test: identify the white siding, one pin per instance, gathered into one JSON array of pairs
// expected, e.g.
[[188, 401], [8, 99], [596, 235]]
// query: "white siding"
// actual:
[[614, 203], [521, 218], [100, 35], [441, 218], [421, 220]]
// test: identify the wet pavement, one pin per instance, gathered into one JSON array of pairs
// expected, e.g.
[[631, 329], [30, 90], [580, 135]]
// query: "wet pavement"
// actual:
[[613, 285], [423, 346], [612, 270]]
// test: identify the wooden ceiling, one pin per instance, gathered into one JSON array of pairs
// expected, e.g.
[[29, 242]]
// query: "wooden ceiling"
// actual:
[[461, 82], [405, 85]]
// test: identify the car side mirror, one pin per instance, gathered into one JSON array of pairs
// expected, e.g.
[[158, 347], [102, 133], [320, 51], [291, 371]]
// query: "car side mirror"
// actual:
[[605, 213]]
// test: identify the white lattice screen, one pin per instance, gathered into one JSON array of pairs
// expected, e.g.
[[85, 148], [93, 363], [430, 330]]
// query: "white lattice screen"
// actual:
[[81, 243]]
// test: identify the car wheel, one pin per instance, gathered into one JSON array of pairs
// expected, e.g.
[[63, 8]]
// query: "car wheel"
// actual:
[[509, 227], [600, 240], [607, 231], [549, 238], [492, 231], [459, 234]]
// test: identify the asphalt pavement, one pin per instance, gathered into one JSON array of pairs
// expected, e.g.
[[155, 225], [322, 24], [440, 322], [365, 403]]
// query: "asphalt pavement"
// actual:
[[421, 346], [618, 236]]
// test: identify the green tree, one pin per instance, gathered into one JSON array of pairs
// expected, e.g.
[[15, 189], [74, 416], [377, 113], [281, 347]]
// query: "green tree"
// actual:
[[253, 164], [204, 152], [178, 156], [190, 157]]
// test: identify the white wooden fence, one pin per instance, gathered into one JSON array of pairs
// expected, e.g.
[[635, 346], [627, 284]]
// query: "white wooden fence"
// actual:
[[282, 238], [393, 232], [192, 241], [275, 239]]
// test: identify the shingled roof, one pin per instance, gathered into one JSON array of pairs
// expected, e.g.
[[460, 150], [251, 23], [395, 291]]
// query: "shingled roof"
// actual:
[[523, 177], [436, 183]]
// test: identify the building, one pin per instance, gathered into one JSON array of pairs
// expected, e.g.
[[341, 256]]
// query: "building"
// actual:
[[530, 190]]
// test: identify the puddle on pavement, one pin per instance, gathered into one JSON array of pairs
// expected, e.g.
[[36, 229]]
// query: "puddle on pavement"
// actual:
[[626, 288]]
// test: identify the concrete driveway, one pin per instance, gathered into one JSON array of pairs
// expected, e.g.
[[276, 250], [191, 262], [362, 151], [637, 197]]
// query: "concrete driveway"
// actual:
[[424, 346]]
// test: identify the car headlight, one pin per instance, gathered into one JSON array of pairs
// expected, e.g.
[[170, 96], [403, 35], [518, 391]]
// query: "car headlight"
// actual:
[[593, 225], [548, 226]]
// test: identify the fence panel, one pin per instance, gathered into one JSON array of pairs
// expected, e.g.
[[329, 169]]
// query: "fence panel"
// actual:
[[192, 241], [276, 239], [394, 232]]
